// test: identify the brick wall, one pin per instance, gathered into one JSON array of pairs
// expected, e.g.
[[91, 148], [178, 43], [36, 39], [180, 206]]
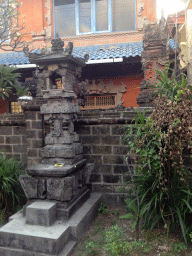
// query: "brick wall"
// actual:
[[13, 136], [101, 133]]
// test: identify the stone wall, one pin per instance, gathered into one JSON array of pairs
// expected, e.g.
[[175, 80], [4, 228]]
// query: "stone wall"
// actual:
[[101, 133], [13, 136], [34, 135]]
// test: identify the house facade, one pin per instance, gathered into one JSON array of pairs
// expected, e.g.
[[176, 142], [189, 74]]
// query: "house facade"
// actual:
[[109, 31]]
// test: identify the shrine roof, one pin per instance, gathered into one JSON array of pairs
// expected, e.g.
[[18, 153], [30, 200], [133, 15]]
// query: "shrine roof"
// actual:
[[13, 58], [110, 51], [96, 52]]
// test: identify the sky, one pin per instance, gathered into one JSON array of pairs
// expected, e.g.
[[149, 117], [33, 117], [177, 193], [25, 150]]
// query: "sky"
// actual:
[[169, 6]]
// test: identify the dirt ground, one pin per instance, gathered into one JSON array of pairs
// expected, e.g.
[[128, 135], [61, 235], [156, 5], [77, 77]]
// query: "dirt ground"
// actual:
[[158, 243]]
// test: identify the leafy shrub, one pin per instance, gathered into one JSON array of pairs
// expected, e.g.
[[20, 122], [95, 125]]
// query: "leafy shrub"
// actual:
[[116, 244], [91, 248], [9, 84], [162, 182], [103, 209], [11, 192]]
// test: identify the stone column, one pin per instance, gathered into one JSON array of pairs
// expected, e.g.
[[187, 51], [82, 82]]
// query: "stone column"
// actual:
[[155, 56]]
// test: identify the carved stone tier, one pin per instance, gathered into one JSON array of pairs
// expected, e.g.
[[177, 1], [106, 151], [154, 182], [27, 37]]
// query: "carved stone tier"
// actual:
[[50, 182]]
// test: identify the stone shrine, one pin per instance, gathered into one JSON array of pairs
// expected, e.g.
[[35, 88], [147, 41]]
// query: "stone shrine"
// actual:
[[56, 189]]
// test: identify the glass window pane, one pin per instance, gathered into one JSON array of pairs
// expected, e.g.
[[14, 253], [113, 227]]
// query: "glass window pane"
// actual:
[[101, 7], [65, 17], [123, 15], [84, 16]]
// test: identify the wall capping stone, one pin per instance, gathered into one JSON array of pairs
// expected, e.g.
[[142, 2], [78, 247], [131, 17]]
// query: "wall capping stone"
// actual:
[[11, 119], [118, 115]]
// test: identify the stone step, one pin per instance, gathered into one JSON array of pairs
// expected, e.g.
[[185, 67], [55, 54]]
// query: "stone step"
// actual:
[[20, 239], [6, 251], [50, 240]]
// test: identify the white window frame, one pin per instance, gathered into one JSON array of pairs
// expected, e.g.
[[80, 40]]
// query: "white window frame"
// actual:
[[93, 18]]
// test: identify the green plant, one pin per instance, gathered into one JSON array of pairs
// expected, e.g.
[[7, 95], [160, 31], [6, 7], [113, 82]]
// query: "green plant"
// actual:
[[9, 84], [162, 183], [115, 243], [103, 209], [133, 215], [11, 193], [90, 248], [137, 244], [179, 247]]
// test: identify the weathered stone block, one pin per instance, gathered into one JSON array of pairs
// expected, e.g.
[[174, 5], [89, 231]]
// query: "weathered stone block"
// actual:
[[40, 134], [102, 188], [120, 169], [20, 148], [103, 168], [32, 153], [49, 140], [31, 115], [78, 149], [60, 189], [101, 130], [86, 149], [95, 178], [13, 140], [111, 140], [111, 178], [29, 186], [28, 124], [36, 143], [84, 130], [18, 130], [2, 139], [97, 159], [91, 139], [65, 151], [5, 148], [113, 159], [102, 149], [41, 189], [76, 137], [31, 134], [41, 213], [5, 130], [118, 129], [120, 150], [24, 139], [86, 173], [36, 125]]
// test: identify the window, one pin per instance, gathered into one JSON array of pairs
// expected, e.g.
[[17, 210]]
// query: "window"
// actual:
[[100, 101], [77, 17]]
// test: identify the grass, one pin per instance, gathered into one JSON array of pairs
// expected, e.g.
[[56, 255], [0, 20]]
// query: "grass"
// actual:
[[111, 236]]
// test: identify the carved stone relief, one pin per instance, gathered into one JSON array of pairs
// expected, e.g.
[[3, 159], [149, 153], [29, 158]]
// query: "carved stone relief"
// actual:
[[101, 88]]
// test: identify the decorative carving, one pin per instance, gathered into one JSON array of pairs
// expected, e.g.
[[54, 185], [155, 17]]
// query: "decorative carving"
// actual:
[[110, 88], [69, 48], [57, 44], [154, 57], [155, 34]]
